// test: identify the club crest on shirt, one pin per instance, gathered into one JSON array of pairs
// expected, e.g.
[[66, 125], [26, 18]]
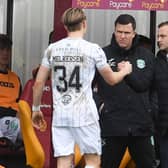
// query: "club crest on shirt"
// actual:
[[66, 99], [140, 63], [111, 62]]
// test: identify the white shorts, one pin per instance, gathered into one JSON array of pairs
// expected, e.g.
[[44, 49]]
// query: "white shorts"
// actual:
[[87, 138], [9, 128]]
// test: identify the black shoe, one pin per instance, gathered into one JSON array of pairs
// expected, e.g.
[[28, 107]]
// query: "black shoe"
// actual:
[[5, 142]]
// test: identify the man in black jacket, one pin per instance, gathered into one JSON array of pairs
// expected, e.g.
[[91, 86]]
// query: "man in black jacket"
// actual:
[[161, 83], [126, 119]]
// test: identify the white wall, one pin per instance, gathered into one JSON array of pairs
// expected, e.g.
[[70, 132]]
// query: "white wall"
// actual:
[[32, 23], [3, 14], [161, 16]]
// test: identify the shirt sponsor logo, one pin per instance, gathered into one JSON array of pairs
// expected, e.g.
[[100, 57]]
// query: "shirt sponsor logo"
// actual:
[[66, 99], [6, 84]]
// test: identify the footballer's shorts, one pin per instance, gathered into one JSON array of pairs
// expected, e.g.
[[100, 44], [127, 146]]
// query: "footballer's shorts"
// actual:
[[87, 138], [9, 128]]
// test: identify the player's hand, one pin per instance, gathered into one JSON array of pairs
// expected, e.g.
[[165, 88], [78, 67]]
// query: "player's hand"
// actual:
[[128, 67], [38, 120], [125, 66], [121, 65]]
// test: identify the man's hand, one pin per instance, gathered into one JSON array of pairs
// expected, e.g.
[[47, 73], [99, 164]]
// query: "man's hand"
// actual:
[[38, 120]]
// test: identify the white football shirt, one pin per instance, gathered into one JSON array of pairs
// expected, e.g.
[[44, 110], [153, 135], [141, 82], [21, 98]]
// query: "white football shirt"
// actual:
[[73, 62]]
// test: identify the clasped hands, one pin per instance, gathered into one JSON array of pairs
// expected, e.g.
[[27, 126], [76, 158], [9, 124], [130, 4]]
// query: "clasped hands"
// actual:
[[125, 66]]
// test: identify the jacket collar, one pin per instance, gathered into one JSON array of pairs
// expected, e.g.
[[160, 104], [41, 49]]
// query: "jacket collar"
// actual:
[[162, 54]]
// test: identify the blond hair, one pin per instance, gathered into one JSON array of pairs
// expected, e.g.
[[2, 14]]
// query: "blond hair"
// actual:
[[72, 18]]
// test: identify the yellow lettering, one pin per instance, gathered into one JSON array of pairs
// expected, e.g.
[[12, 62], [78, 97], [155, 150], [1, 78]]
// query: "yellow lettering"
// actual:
[[152, 6], [88, 4]]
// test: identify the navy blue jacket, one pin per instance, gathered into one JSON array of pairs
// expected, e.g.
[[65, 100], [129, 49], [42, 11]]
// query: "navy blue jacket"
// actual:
[[161, 86], [127, 109]]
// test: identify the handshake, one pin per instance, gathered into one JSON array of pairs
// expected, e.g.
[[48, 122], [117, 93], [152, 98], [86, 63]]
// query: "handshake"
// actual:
[[125, 66]]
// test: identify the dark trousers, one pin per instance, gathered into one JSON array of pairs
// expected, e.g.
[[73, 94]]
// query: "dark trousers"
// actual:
[[140, 149], [163, 143]]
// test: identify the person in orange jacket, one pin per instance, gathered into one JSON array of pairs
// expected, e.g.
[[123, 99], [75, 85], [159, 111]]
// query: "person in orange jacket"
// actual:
[[10, 89]]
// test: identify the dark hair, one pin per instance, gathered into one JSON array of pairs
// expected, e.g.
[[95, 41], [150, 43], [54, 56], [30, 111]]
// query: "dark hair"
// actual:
[[163, 24], [5, 42], [125, 19]]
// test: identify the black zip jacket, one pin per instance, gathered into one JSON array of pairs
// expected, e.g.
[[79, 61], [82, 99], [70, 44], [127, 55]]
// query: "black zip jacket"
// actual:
[[161, 85], [127, 110]]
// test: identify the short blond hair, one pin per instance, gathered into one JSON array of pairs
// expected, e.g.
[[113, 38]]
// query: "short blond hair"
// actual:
[[72, 18]]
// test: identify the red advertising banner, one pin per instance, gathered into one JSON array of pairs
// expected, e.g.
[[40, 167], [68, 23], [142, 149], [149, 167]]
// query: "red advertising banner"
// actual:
[[122, 4]]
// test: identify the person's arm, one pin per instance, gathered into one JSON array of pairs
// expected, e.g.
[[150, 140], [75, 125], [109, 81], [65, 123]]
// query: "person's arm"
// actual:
[[113, 78], [37, 116]]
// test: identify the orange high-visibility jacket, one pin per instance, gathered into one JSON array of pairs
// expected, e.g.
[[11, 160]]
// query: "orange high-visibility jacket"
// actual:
[[10, 88]]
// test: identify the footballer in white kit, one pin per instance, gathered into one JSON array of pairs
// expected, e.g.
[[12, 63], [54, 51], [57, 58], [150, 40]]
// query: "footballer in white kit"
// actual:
[[73, 61]]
